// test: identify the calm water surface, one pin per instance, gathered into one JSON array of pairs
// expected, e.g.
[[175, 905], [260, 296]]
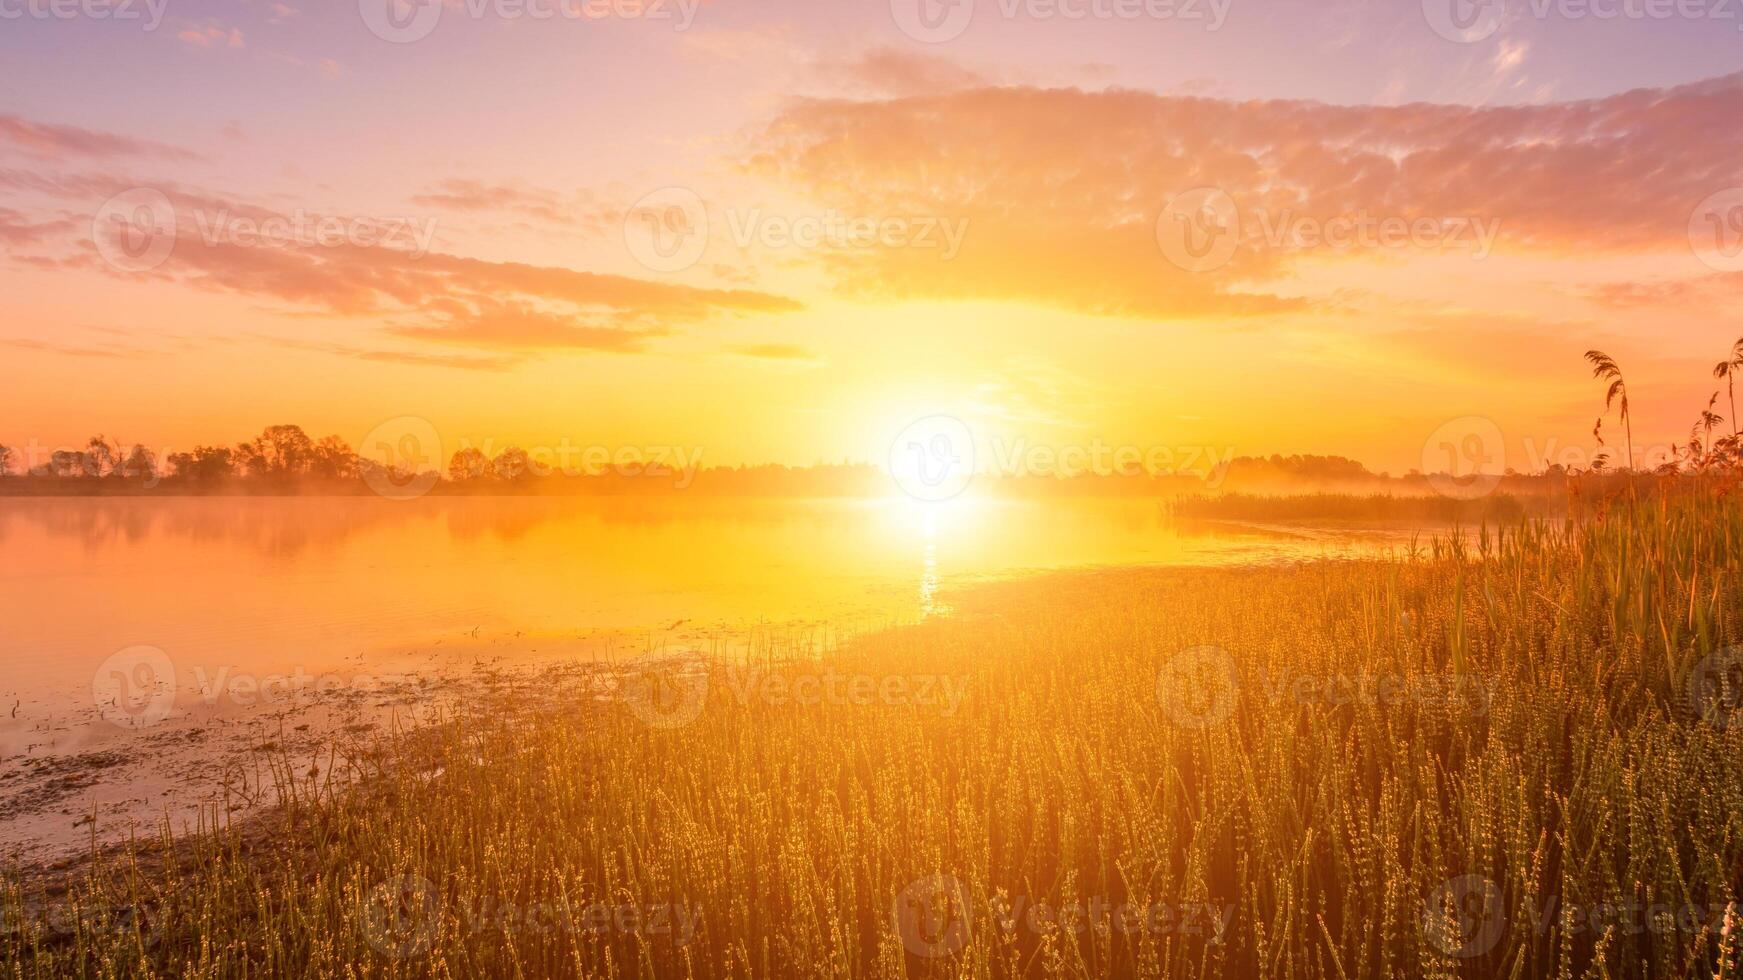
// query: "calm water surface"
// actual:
[[214, 600]]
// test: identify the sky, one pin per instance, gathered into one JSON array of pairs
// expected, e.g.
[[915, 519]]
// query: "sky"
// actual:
[[782, 230]]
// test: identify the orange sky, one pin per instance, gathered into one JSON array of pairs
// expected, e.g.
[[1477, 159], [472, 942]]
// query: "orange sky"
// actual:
[[780, 231]]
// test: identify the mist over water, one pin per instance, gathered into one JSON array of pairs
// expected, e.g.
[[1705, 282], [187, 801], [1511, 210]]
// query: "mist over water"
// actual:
[[249, 608]]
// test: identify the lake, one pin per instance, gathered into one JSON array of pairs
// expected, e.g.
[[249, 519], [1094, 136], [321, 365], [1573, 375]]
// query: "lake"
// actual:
[[149, 645]]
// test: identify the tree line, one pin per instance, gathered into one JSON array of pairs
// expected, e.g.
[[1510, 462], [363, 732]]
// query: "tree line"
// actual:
[[281, 454]]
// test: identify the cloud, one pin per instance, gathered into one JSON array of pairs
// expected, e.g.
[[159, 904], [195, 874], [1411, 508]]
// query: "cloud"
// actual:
[[413, 358], [520, 326], [211, 35], [418, 294], [1699, 291], [53, 141], [901, 72], [18, 229], [474, 195], [439, 297], [41, 346], [1062, 188]]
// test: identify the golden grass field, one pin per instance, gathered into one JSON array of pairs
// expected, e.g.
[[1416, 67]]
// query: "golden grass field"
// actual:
[[1512, 755]]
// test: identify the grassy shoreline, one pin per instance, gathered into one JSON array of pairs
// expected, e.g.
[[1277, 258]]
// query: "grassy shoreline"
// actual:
[[1467, 762]]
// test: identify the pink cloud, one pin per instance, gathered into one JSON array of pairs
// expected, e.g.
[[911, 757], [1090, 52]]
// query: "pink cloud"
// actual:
[[1062, 188], [52, 141]]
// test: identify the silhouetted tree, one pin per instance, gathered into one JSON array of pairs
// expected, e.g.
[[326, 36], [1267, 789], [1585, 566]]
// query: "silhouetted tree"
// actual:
[[467, 465], [512, 464], [67, 464], [332, 459], [101, 456], [7, 455], [206, 464], [140, 464], [281, 451]]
